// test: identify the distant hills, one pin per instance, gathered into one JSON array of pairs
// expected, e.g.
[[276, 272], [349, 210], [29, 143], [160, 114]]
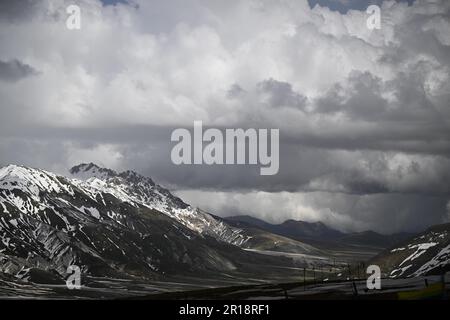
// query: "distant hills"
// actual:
[[317, 233], [399, 255]]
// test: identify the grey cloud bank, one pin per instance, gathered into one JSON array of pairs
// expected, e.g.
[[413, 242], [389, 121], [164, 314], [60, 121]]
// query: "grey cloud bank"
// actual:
[[364, 116], [14, 70]]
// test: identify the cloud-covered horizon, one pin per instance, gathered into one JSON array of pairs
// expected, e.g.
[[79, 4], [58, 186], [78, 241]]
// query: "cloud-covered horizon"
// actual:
[[364, 115]]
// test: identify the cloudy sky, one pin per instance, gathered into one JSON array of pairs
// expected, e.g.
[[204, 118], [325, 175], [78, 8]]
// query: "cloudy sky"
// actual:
[[364, 115]]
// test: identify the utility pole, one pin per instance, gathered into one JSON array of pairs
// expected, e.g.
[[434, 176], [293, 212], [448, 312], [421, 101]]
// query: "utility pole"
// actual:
[[355, 290], [314, 274], [304, 279], [349, 271]]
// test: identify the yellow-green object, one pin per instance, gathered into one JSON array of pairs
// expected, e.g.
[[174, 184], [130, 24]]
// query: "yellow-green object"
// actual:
[[433, 291]]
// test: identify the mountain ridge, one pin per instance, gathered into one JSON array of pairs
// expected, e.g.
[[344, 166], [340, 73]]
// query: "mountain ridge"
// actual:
[[120, 226], [319, 233]]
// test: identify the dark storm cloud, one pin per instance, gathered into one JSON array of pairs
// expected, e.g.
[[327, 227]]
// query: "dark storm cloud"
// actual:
[[235, 91], [314, 161], [366, 101], [15, 70], [280, 94], [17, 10]]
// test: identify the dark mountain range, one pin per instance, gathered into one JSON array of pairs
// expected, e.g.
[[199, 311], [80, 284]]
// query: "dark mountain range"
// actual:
[[318, 234]]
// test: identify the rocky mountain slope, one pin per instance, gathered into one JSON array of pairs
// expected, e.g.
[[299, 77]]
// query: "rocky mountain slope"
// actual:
[[111, 225], [425, 254], [138, 190]]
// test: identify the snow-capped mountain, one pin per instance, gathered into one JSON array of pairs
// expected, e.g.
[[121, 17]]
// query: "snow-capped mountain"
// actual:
[[425, 254], [138, 190], [110, 224]]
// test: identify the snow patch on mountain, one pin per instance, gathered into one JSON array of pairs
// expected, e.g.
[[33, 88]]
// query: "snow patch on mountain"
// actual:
[[138, 190], [27, 190], [428, 253]]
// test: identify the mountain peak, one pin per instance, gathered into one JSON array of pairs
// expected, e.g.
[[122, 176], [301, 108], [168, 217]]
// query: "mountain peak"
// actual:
[[21, 172], [85, 171], [12, 168], [31, 180], [36, 191], [7, 170]]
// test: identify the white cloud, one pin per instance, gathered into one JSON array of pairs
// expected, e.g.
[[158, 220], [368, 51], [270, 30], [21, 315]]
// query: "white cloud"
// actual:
[[175, 73]]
